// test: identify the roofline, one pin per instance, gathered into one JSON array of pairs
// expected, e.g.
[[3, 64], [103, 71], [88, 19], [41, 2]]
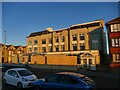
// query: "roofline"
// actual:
[[86, 23]]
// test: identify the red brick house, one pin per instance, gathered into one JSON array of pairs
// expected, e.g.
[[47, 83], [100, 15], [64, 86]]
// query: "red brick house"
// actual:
[[113, 27]]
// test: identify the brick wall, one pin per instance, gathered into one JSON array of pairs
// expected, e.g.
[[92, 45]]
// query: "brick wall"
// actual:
[[54, 60]]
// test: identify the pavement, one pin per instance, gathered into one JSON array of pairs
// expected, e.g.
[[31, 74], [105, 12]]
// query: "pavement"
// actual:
[[0, 79], [99, 74]]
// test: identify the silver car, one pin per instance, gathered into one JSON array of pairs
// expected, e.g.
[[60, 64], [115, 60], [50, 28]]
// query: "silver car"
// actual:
[[20, 77]]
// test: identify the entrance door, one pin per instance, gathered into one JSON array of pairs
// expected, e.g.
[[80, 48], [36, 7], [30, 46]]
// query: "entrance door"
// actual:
[[2, 59]]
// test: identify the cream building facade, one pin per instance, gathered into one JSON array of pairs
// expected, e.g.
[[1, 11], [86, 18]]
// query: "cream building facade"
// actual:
[[76, 40]]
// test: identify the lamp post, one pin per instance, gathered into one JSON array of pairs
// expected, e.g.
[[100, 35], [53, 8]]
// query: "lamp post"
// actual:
[[5, 37]]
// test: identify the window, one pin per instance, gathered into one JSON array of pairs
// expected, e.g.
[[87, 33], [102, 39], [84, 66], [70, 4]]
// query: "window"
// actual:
[[14, 74], [87, 80], [116, 42], [67, 80], [10, 52], [115, 27], [43, 41], [50, 41], [74, 47], [50, 48], [52, 79], [82, 46], [35, 42], [82, 37], [35, 49], [57, 48], [74, 37], [63, 47], [62, 39], [56, 39], [43, 49], [10, 72], [117, 56], [25, 72]]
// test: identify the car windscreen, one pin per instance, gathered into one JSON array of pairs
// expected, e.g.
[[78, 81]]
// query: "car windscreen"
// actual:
[[25, 72], [87, 80]]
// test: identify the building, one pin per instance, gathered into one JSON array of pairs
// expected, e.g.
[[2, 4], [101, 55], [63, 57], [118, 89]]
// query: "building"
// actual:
[[0, 53], [12, 54], [85, 41], [113, 27]]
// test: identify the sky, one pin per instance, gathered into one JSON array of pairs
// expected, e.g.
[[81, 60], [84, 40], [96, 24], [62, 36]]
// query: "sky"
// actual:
[[19, 19]]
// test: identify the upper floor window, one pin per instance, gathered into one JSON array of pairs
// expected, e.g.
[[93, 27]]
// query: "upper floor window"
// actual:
[[35, 42], [43, 41], [74, 37], [116, 42], [82, 46], [117, 56], [11, 52], [50, 41], [74, 47], [62, 39], [82, 36], [115, 27], [56, 39]]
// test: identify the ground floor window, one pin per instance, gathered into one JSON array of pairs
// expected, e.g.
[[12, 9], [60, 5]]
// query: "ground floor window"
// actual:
[[57, 48], [74, 47], [43, 49], [116, 57]]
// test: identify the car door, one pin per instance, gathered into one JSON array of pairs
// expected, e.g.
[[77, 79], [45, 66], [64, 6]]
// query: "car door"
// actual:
[[51, 82], [68, 82], [8, 76], [14, 77]]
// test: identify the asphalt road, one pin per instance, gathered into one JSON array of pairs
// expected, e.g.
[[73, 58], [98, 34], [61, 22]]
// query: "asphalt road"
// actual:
[[101, 82]]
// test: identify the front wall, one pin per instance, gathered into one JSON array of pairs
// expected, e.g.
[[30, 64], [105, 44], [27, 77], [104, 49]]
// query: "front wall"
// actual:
[[59, 34], [81, 31], [37, 59], [61, 60], [54, 60], [114, 50], [32, 46], [114, 35]]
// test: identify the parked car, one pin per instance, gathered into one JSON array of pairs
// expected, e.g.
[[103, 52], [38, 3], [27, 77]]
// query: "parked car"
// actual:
[[64, 80], [20, 77]]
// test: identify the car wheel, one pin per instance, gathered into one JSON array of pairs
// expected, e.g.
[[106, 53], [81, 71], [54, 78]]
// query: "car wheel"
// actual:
[[19, 85], [4, 82], [37, 88]]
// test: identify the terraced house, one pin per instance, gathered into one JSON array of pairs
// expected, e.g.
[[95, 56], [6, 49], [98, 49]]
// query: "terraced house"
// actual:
[[86, 41], [12, 54], [113, 27]]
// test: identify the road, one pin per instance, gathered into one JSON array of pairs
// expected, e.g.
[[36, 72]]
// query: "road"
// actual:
[[101, 82]]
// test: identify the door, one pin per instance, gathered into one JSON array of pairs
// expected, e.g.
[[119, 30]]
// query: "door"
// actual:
[[68, 82], [51, 82], [14, 78]]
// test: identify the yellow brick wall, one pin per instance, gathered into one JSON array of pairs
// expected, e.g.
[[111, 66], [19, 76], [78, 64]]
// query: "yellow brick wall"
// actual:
[[38, 59], [98, 59], [61, 60]]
